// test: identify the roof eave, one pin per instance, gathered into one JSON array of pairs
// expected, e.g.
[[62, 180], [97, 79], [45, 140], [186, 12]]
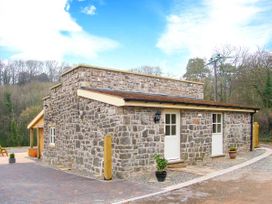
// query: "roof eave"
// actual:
[[186, 106], [192, 104], [39, 116]]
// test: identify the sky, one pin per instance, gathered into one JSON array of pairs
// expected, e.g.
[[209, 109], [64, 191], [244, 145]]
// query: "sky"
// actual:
[[126, 34]]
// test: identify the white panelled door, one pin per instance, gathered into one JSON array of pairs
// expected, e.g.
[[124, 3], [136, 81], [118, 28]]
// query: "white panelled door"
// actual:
[[217, 134], [172, 136]]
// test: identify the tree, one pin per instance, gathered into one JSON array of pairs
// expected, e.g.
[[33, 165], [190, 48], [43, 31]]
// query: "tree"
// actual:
[[8, 103], [196, 70], [24, 118], [226, 73], [23, 78], [41, 77], [14, 137], [148, 70], [267, 92]]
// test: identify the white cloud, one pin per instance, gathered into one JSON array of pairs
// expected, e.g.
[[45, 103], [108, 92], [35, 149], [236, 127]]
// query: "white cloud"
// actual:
[[198, 31], [43, 29], [89, 10]]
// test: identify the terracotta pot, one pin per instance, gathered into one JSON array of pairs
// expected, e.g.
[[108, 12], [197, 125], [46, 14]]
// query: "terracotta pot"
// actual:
[[232, 154], [161, 175], [32, 152]]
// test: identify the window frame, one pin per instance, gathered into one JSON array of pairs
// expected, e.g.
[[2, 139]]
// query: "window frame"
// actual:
[[216, 123], [170, 124], [52, 139]]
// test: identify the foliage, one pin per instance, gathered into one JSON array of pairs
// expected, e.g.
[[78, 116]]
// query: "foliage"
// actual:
[[196, 70], [264, 117], [12, 156], [232, 149], [19, 104], [242, 78], [14, 137], [160, 162], [7, 102], [267, 92]]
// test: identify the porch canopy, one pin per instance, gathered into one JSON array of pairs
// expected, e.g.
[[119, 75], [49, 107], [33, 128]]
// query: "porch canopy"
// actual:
[[140, 99], [38, 124]]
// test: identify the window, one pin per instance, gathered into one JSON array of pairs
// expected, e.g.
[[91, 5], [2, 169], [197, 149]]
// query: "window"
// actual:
[[52, 135], [170, 124], [217, 122]]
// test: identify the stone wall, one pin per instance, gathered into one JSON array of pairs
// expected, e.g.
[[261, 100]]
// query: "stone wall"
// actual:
[[82, 123], [79, 138], [139, 139], [100, 78], [196, 135], [237, 130]]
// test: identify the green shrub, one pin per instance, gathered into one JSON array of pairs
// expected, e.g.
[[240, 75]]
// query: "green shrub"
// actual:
[[12, 156], [232, 149], [161, 162]]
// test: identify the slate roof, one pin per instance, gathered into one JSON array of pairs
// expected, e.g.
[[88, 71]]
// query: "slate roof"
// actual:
[[162, 98]]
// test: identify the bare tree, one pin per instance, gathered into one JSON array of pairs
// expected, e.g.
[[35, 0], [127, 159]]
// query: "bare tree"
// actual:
[[152, 70]]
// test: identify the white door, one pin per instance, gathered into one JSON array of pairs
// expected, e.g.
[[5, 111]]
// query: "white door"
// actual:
[[172, 136], [217, 134]]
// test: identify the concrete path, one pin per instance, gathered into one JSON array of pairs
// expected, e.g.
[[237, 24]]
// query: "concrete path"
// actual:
[[28, 182]]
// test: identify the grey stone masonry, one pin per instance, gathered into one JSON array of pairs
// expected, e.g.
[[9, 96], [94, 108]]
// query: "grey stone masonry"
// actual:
[[196, 135], [81, 123], [237, 130], [118, 80]]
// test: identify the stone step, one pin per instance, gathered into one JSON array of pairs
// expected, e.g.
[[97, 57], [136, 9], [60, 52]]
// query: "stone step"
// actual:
[[176, 165]]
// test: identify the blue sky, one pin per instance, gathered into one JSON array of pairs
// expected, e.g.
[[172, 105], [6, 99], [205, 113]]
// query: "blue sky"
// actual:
[[126, 34]]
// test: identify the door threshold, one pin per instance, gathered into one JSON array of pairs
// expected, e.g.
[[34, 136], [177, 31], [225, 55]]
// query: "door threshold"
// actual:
[[175, 161], [218, 155]]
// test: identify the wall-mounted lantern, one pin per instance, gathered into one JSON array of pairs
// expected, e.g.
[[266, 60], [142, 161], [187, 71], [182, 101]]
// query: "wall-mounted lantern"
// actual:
[[157, 117]]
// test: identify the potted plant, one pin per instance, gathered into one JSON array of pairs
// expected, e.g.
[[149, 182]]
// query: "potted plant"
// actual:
[[161, 164], [232, 152], [32, 152], [12, 159]]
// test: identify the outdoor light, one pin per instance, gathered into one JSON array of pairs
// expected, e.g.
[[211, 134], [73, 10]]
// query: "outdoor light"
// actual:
[[157, 117]]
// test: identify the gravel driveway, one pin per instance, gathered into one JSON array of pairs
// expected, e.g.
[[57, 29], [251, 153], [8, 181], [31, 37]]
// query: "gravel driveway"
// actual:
[[27, 182], [251, 184]]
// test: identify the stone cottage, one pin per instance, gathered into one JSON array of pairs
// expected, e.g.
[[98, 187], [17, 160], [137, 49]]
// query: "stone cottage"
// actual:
[[144, 114]]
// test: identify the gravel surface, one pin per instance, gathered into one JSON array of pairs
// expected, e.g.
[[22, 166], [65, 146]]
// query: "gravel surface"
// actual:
[[173, 177], [226, 162], [248, 185], [191, 172]]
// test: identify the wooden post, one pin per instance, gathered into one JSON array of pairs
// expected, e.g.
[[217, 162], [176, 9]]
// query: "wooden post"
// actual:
[[256, 127], [107, 157], [31, 137], [38, 144]]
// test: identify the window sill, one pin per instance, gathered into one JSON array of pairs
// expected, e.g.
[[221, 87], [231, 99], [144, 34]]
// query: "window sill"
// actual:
[[52, 145]]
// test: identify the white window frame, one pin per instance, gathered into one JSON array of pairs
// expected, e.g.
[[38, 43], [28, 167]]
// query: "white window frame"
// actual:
[[52, 136], [216, 123], [171, 124]]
